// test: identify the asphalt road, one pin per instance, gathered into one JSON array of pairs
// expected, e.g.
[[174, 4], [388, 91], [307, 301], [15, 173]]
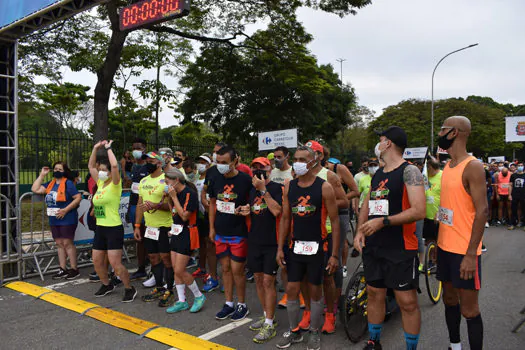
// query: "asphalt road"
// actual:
[[26, 323]]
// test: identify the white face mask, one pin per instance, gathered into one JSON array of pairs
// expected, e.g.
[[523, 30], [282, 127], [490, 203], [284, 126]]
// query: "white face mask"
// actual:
[[201, 168], [223, 168], [373, 169], [377, 151], [103, 175], [137, 154], [300, 169]]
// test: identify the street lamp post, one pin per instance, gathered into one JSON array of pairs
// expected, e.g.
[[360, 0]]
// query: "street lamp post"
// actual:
[[432, 108]]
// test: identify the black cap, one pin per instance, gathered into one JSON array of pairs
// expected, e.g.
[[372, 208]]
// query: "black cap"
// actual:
[[373, 160], [395, 134]]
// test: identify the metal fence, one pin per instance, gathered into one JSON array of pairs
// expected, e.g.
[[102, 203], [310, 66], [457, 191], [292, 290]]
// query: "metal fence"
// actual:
[[38, 149]]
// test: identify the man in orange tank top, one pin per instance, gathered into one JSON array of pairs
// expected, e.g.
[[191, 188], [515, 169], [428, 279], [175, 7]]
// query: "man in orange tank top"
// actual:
[[502, 195], [462, 215]]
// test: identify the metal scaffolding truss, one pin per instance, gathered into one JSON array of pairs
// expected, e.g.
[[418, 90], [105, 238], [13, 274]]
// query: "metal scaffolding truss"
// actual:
[[47, 16]]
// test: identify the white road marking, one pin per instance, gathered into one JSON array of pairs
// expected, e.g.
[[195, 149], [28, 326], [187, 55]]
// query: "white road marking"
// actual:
[[67, 283], [224, 329]]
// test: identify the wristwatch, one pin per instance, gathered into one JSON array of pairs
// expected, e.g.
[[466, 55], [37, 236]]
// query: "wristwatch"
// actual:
[[386, 221], [263, 192]]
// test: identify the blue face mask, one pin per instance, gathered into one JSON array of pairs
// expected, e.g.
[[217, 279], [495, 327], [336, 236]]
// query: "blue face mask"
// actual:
[[166, 188], [520, 169]]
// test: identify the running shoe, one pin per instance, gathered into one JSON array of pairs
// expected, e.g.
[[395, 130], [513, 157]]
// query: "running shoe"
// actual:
[[257, 325], [150, 282], [314, 341], [329, 323], [345, 272], [93, 277], [282, 303], [241, 311], [191, 263], [249, 276], [487, 224], [198, 303], [177, 307], [116, 281], [104, 290], [483, 248], [421, 268], [372, 345], [199, 273], [288, 339], [138, 275], [210, 285], [266, 333], [60, 274], [153, 295], [226, 312], [72, 274], [129, 295], [167, 298], [305, 321], [511, 227]]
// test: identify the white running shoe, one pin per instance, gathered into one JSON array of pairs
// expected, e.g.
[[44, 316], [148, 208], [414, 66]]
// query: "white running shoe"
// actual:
[[487, 224], [149, 282]]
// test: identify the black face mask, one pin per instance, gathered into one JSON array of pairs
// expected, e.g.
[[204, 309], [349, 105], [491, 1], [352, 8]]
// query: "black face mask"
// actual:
[[58, 174], [260, 173], [150, 167], [445, 143]]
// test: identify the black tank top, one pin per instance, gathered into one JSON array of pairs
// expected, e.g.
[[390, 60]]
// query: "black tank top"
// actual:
[[308, 211], [391, 187]]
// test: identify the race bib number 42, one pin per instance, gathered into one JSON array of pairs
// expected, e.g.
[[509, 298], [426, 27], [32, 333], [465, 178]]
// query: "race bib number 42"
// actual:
[[226, 207], [152, 233], [378, 207], [305, 248], [445, 216]]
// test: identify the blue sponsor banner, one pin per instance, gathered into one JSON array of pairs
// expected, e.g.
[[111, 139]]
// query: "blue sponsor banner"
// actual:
[[14, 10]]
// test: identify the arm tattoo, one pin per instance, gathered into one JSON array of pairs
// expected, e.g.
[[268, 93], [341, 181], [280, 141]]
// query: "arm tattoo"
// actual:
[[412, 176]]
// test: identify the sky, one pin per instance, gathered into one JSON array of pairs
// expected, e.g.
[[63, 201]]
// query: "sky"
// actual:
[[392, 46]]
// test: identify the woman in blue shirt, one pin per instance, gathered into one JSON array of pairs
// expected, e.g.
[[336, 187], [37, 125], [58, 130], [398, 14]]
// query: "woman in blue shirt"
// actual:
[[62, 200]]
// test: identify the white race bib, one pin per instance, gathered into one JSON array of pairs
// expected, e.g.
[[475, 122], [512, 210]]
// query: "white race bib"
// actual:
[[445, 216], [305, 248], [152, 233], [52, 211], [256, 207], [226, 207], [430, 199], [378, 207], [176, 229], [135, 187], [505, 185]]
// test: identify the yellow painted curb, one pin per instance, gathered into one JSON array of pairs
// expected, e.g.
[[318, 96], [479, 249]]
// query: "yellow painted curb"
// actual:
[[163, 335]]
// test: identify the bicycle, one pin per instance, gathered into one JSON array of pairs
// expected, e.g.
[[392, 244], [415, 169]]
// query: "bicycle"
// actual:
[[434, 286], [355, 303]]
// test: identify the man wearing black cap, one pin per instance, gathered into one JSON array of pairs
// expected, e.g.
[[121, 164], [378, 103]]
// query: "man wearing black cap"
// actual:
[[386, 237]]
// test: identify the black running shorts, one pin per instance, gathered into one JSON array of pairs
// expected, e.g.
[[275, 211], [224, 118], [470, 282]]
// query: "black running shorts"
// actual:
[[108, 238], [160, 246], [262, 259]]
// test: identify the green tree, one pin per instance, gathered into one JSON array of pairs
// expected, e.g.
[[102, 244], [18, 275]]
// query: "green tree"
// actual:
[[488, 124]]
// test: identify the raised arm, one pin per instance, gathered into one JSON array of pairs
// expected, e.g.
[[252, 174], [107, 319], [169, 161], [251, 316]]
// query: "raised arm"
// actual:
[[115, 173], [92, 164], [37, 187]]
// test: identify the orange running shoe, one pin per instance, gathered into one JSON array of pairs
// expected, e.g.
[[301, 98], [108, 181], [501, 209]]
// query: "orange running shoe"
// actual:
[[283, 301], [301, 301], [305, 321], [329, 324]]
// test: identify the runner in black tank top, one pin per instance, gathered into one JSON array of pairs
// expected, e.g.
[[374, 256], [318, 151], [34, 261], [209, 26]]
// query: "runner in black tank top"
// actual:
[[386, 237], [307, 202]]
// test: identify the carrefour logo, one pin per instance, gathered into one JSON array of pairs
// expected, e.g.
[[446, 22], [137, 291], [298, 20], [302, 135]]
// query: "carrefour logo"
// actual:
[[266, 140]]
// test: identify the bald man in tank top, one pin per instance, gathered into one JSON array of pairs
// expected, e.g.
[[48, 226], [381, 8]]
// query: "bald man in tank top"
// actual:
[[462, 214]]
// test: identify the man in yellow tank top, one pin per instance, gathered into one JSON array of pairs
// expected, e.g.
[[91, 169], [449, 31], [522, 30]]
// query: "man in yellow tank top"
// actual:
[[462, 215]]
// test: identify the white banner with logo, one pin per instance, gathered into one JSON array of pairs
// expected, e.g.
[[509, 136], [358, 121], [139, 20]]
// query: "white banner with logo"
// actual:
[[515, 129], [272, 139], [496, 159], [83, 235], [415, 153]]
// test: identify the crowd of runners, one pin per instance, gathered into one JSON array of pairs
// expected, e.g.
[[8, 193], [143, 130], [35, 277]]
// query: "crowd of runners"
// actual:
[[291, 211]]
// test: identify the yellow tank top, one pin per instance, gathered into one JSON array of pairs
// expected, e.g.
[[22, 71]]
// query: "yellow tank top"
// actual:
[[456, 211]]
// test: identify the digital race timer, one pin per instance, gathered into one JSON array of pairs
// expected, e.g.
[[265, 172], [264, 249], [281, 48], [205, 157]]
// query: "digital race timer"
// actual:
[[152, 12]]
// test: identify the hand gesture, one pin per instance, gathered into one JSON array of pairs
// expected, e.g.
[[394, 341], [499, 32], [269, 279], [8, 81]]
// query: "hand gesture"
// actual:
[[60, 214], [244, 210], [99, 144], [259, 184], [332, 265], [108, 144], [359, 241], [372, 226], [45, 171]]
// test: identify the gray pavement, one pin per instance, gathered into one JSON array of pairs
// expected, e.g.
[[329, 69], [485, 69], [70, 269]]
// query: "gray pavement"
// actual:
[[26, 323]]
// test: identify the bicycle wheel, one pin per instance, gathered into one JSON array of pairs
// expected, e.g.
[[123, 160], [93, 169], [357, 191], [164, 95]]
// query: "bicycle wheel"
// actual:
[[434, 287], [355, 307]]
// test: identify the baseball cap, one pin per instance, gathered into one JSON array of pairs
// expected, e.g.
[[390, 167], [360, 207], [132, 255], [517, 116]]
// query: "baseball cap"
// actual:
[[152, 155], [261, 160], [270, 156], [315, 146], [334, 161], [165, 150], [373, 160], [395, 134], [205, 157]]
